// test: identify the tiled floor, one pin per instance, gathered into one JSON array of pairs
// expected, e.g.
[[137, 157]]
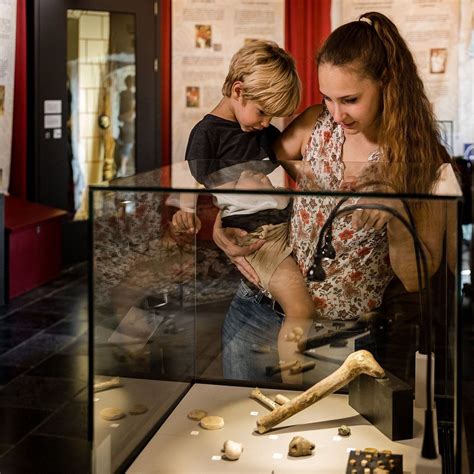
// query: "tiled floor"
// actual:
[[43, 376], [43, 412]]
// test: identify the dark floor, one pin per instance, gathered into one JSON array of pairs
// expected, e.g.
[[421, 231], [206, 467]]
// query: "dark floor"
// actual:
[[43, 377]]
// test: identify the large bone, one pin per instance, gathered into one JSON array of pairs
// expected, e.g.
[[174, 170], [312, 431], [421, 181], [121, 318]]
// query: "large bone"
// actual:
[[360, 362]]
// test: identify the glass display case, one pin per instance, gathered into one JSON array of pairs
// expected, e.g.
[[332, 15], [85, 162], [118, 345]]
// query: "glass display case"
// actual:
[[160, 340]]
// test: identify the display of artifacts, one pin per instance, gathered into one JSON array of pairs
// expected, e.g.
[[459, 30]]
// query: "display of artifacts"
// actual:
[[372, 460], [357, 363], [212, 422], [200, 450], [281, 399], [205, 36], [232, 450], [7, 81], [344, 430], [258, 395], [300, 446], [111, 413], [197, 414], [108, 384], [280, 367], [140, 409]]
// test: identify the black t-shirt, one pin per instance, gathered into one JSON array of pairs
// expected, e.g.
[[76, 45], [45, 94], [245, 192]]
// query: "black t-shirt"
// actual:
[[219, 150]]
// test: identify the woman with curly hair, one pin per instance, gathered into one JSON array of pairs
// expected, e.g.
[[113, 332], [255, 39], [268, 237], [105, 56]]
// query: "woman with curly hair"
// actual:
[[377, 125]]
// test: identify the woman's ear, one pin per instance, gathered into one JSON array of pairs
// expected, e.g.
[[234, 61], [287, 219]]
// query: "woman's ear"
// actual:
[[237, 89]]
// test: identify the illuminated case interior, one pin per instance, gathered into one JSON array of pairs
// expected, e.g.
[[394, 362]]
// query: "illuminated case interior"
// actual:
[[156, 312]]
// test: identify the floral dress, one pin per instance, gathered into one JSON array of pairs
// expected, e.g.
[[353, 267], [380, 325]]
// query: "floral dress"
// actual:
[[357, 277]]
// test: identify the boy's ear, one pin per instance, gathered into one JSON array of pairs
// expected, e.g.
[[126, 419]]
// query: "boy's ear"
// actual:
[[237, 88]]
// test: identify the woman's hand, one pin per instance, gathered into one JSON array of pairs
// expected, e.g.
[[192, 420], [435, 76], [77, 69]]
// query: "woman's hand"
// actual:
[[367, 219], [228, 241]]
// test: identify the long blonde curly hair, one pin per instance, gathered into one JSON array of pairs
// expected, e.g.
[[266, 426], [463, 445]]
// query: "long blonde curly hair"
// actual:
[[409, 138]]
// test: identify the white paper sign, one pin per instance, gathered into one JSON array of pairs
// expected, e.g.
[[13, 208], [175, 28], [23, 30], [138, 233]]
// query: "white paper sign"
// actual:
[[205, 37], [7, 81], [52, 121], [52, 106]]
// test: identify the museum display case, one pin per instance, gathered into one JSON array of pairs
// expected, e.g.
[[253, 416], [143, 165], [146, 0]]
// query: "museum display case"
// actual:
[[356, 383]]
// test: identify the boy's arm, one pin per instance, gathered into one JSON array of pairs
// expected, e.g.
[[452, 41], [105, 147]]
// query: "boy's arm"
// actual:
[[184, 222]]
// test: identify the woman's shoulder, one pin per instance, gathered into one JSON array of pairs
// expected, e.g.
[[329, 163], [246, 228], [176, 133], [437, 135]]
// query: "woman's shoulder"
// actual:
[[312, 114], [305, 121]]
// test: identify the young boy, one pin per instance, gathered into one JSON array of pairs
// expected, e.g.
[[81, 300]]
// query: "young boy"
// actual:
[[230, 148]]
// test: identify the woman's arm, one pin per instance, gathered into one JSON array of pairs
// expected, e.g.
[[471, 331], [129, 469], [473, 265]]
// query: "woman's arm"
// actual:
[[431, 227], [290, 145], [227, 240]]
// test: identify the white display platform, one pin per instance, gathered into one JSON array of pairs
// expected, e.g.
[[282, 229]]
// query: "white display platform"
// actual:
[[182, 446]]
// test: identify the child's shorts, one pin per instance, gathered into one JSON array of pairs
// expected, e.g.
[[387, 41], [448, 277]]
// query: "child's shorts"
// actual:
[[267, 258]]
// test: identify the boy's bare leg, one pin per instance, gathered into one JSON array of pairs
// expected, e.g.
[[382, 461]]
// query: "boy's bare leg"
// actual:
[[288, 287]]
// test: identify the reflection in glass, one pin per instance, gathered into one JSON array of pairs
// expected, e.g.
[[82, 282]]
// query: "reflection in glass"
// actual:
[[101, 100]]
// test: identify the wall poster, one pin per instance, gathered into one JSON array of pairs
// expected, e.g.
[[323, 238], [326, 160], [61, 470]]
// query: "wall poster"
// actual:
[[434, 32], [7, 77], [205, 35]]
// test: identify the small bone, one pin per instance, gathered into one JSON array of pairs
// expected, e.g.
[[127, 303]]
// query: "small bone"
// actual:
[[280, 367], [232, 450], [299, 367], [108, 384], [281, 399], [300, 446], [360, 362], [258, 395]]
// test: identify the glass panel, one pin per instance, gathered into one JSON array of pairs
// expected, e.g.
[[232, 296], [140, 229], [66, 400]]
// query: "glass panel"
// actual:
[[101, 95], [144, 317], [173, 320]]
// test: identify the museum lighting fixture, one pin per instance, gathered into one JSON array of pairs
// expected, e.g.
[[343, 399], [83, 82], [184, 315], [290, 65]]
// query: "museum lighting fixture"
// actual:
[[325, 250]]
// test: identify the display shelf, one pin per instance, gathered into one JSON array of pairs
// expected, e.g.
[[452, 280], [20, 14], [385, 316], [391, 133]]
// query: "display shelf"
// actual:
[[182, 446], [117, 439]]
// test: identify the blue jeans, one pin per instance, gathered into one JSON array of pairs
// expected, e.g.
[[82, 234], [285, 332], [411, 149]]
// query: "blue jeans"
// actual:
[[249, 337]]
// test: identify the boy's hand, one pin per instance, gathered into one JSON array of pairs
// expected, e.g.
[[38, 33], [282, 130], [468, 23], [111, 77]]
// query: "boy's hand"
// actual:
[[185, 223]]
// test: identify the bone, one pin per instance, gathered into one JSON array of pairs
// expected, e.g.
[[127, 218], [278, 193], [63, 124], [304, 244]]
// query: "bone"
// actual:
[[258, 395], [360, 362], [280, 367], [232, 450], [108, 384], [299, 367], [281, 399], [300, 446]]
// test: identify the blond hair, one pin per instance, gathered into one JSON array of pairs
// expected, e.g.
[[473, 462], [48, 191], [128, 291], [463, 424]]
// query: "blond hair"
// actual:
[[269, 77], [408, 131]]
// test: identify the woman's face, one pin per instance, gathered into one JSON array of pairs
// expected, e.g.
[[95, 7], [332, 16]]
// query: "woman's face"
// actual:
[[354, 101]]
